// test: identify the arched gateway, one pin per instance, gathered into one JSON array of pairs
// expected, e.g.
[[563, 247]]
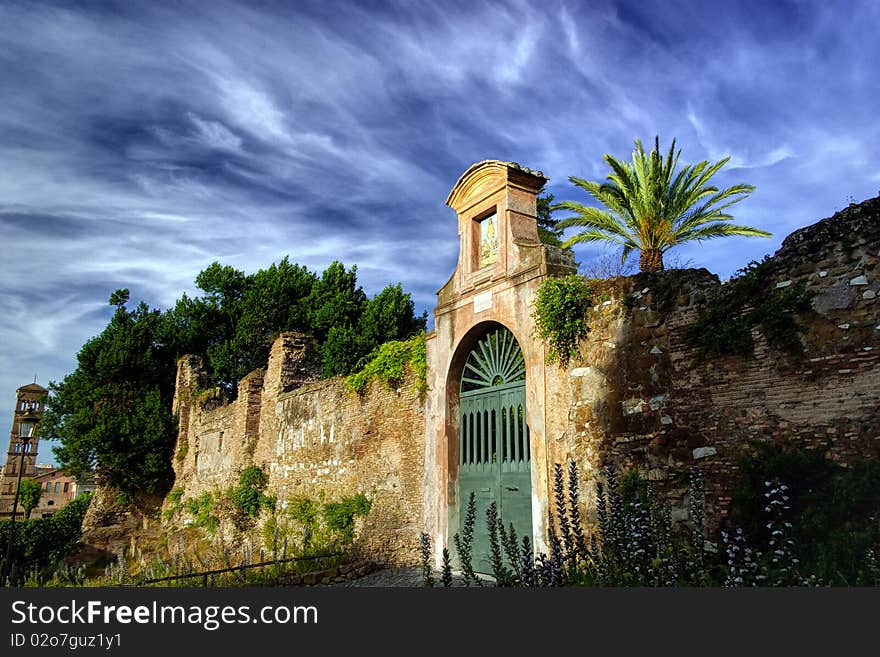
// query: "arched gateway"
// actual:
[[485, 423], [493, 450]]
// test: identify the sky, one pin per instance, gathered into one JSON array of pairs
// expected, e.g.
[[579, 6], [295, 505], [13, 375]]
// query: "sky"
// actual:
[[139, 142]]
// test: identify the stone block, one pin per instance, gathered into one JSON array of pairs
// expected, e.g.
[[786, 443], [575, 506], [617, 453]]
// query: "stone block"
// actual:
[[703, 452], [834, 297]]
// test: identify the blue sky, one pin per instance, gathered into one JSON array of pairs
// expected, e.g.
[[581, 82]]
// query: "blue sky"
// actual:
[[139, 142]]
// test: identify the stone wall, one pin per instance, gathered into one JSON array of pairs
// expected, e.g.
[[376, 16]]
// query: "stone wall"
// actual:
[[640, 396], [311, 437]]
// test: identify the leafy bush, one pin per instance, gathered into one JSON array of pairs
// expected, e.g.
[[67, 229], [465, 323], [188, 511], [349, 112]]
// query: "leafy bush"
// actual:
[[560, 315], [248, 497], [339, 516], [804, 521], [316, 527], [202, 510], [41, 543], [834, 510], [389, 362], [724, 327]]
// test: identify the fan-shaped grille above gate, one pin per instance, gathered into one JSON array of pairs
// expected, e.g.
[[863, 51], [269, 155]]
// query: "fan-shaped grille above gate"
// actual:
[[494, 452], [496, 360]]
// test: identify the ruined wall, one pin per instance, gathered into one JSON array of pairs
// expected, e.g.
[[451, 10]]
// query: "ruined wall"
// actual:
[[639, 396], [310, 436]]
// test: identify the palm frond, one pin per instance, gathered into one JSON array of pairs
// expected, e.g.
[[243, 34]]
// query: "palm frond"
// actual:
[[593, 236], [591, 217], [721, 230], [653, 203]]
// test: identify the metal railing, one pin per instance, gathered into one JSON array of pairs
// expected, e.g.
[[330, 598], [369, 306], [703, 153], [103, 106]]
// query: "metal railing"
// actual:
[[205, 575]]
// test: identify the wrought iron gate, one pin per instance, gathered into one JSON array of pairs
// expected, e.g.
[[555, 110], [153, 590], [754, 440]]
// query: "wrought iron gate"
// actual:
[[494, 456]]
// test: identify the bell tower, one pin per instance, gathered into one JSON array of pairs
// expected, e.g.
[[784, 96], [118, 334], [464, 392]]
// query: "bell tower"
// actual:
[[23, 442]]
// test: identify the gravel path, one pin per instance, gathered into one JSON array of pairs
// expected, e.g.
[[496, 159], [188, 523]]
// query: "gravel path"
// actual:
[[400, 577]]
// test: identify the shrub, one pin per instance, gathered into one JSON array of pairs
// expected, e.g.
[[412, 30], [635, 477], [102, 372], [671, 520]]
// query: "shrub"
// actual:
[[201, 509], [560, 316], [42, 543], [833, 512], [339, 516], [389, 362], [747, 302], [248, 497]]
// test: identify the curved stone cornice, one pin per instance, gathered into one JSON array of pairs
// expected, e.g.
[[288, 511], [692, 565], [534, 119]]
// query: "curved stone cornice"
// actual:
[[485, 177]]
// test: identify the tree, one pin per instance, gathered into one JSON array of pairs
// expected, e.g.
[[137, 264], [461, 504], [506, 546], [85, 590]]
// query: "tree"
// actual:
[[651, 207], [335, 300], [549, 231], [389, 315], [335, 305], [29, 493], [112, 413]]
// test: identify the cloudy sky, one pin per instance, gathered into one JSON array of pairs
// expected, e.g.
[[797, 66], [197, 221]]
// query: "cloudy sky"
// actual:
[[139, 142]]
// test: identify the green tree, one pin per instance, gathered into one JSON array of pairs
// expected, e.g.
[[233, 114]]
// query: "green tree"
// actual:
[[336, 303], [112, 413], [335, 300], [548, 228], [29, 493], [219, 311], [652, 207], [389, 315], [274, 300], [234, 322]]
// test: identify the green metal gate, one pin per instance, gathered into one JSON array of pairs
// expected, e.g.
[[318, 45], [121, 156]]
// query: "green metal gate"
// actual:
[[494, 457]]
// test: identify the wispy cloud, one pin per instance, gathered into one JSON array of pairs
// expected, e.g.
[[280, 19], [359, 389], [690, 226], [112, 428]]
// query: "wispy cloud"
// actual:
[[141, 141]]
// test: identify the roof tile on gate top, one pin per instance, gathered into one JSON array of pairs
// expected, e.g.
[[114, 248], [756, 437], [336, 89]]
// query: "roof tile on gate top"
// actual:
[[32, 387], [517, 165]]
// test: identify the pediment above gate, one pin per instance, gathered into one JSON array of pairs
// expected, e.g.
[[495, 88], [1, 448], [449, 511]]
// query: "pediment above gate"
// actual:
[[498, 231]]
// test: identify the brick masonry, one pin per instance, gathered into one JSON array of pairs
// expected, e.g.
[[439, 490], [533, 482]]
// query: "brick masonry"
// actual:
[[638, 396], [311, 437], [641, 398]]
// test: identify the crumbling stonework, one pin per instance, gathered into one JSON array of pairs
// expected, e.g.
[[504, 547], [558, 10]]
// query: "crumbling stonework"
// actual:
[[311, 437], [640, 397]]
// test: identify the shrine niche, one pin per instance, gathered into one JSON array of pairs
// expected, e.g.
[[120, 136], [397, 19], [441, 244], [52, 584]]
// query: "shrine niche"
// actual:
[[485, 424]]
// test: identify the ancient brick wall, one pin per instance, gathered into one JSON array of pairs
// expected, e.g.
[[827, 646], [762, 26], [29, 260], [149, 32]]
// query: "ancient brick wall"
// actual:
[[640, 396], [312, 437]]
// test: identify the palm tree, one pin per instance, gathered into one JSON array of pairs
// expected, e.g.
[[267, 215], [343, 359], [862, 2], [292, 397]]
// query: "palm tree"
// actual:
[[651, 207]]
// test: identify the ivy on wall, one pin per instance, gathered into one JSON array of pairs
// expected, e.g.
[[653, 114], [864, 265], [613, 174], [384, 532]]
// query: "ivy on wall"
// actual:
[[560, 316], [388, 363], [747, 302]]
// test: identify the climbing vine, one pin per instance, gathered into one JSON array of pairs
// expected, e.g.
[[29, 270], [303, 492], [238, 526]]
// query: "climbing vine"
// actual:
[[389, 362], [749, 302], [560, 315]]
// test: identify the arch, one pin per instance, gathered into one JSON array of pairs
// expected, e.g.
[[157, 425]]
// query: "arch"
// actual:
[[488, 441]]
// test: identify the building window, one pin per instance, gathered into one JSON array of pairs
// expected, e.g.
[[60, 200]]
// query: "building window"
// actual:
[[57, 486], [17, 447], [48, 486], [488, 240], [66, 486]]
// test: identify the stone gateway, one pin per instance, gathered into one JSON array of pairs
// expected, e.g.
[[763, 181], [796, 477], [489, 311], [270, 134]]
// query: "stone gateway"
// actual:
[[496, 417]]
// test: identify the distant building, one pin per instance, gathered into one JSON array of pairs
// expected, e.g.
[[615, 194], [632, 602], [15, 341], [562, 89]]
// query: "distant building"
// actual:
[[58, 489], [24, 440]]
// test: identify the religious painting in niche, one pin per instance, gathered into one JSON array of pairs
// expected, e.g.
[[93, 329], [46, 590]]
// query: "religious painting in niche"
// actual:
[[488, 241]]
